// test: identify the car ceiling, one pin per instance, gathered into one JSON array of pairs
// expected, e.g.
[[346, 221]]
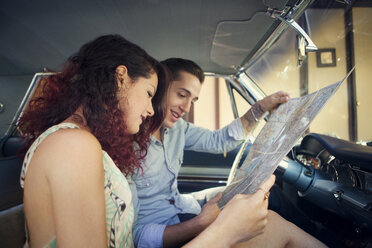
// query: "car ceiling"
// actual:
[[217, 34]]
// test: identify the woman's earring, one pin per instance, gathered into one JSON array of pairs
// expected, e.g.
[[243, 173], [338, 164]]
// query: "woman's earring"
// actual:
[[122, 83], [117, 93]]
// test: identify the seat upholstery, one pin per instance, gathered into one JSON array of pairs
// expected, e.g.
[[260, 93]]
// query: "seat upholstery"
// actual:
[[12, 231], [12, 223]]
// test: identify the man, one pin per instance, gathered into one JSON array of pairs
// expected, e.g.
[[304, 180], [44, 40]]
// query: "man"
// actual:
[[164, 217]]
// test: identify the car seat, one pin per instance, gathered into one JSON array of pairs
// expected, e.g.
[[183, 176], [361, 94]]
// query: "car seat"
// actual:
[[12, 220]]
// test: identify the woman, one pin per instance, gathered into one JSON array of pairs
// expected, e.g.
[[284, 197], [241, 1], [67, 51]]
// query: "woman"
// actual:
[[82, 133]]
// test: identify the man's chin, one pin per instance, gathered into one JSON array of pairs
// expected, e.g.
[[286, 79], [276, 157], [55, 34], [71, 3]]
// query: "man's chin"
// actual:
[[168, 124]]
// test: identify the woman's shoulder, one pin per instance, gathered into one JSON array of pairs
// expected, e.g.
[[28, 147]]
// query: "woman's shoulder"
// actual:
[[75, 148], [72, 138]]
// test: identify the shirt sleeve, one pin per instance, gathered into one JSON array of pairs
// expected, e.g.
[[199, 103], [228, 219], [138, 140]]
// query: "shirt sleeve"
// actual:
[[149, 235], [218, 141]]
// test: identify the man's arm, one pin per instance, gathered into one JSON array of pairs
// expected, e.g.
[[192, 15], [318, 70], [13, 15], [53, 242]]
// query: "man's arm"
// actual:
[[179, 234], [226, 139], [256, 112], [160, 235]]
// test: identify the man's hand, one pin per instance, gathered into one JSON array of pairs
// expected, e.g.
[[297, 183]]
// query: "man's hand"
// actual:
[[209, 211], [269, 103], [272, 102], [179, 234]]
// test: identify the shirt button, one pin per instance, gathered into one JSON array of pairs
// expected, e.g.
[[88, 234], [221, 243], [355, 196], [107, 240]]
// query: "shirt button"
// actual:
[[147, 184]]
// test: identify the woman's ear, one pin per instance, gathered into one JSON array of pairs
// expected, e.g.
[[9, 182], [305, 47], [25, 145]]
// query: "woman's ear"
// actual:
[[121, 75]]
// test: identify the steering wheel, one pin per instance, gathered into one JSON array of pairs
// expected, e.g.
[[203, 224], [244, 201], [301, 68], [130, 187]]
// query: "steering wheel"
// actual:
[[238, 157]]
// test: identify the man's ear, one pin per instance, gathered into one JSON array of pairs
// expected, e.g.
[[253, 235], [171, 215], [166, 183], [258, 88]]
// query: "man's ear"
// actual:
[[121, 75]]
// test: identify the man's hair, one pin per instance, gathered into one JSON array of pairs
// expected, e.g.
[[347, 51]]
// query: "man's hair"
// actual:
[[177, 65]]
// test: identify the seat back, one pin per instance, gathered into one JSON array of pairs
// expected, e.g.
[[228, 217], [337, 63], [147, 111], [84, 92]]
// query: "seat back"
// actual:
[[12, 231]]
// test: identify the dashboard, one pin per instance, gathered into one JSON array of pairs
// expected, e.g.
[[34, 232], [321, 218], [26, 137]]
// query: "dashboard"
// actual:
[[336, 176], [324, 153], [338, 170]]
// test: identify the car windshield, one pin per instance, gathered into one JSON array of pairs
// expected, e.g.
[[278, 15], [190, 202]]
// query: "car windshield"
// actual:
[[343, 37], [342, 33]]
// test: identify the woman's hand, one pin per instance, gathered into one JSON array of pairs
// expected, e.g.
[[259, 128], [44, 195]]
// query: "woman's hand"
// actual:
[[245, 216]]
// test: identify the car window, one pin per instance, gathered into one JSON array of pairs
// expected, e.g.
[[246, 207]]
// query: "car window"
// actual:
[[214, 99], [12, 90]]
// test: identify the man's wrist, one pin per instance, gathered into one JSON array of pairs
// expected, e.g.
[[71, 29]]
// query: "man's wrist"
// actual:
[[200, 223], [255, 113]]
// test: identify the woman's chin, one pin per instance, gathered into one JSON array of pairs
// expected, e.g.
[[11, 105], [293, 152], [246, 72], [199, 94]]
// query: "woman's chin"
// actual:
[[132, 130]]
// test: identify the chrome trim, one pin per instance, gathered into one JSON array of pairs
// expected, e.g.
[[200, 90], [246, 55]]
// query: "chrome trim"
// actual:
[[204, 172], [252, 88], [241, 90], [212, 74], [232, 99], [296, 12], [310, 47], [201, 180], [26, 99]]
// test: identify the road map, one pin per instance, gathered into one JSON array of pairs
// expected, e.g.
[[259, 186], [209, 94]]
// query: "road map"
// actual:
[[281, 132]]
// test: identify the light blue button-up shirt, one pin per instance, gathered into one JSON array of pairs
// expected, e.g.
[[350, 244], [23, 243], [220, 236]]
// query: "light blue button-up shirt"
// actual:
[[156, 184]]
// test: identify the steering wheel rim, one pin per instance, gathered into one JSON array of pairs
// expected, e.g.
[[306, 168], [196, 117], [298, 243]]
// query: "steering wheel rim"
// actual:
[[237, 159]]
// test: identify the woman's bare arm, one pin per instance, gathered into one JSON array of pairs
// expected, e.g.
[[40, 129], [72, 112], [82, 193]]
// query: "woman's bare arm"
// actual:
[[72, 162]]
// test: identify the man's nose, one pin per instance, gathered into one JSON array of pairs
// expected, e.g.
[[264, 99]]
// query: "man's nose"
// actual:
[[186, 106]]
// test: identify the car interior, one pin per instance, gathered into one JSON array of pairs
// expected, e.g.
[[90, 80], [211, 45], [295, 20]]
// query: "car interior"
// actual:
[[247, 49]]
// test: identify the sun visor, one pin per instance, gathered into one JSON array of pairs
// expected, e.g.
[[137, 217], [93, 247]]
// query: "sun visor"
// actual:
[[275, 4], [234, 40]]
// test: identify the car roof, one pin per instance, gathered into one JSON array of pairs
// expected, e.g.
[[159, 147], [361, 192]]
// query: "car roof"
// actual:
[[219, 35]]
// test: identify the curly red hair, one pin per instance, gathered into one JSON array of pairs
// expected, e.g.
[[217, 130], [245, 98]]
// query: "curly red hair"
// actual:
[[88, 80]]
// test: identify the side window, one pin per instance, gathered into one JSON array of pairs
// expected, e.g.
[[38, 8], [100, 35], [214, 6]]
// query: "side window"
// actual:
[[213, 110], [12, 91]]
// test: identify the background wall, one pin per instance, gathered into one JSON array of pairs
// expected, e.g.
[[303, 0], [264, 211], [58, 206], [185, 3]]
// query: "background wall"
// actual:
[[333, 118]]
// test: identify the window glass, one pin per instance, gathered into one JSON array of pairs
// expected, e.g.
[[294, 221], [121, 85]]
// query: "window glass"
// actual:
[[278, 69], [362, 19], [213, 110]]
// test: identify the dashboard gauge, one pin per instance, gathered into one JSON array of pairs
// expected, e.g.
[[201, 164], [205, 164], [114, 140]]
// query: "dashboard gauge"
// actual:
[[368, 181], [334, 168], [346, 175], [341, 172], [331, 171]]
